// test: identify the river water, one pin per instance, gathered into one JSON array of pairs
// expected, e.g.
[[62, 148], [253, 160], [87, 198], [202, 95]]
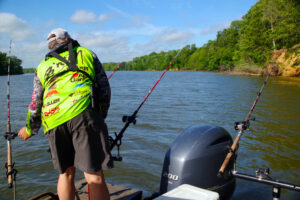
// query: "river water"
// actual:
[[180, 100]]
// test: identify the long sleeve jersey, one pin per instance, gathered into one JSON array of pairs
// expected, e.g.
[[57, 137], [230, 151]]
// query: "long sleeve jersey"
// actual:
[[46, 93]]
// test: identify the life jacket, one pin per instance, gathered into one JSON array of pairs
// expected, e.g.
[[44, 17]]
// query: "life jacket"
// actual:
[[67, 81]]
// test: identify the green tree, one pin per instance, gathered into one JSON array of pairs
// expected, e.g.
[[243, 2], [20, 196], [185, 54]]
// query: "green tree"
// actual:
[[15, 64]]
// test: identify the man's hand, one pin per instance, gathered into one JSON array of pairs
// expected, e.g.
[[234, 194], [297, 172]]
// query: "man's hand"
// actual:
[[22, 134]]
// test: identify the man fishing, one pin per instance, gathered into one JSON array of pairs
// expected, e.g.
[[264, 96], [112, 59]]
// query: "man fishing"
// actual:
[[66, 84]]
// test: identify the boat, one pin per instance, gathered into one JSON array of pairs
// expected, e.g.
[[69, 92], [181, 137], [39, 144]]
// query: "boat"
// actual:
[[190, 171]]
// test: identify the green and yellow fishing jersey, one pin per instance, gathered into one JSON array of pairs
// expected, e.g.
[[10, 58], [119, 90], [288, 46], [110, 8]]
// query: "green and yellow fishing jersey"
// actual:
[[67, 95]]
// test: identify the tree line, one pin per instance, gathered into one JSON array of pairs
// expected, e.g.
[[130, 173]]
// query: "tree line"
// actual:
[[246, 45], [15, 64]]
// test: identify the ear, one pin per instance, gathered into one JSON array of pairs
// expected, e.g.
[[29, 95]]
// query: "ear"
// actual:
[[67, 40]]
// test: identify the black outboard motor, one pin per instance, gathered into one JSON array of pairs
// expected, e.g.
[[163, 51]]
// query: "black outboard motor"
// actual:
[[195, 158]]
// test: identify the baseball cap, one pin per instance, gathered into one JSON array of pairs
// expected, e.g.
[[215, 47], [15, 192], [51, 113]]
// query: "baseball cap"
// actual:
[[59, 34]]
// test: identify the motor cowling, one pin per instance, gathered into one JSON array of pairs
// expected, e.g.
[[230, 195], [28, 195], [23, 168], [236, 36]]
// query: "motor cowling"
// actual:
[[195, 158]]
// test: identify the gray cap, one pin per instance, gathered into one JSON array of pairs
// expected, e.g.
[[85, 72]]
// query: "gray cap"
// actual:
[[59, 34]]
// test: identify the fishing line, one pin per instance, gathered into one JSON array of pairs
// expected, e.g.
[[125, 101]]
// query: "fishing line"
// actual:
[[132, 119]]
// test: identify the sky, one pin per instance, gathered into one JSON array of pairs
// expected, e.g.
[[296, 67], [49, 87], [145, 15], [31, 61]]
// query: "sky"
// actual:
[[116, 30]]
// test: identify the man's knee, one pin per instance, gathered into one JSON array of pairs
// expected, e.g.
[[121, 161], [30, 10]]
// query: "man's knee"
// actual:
[[94, 178], [69, 173]]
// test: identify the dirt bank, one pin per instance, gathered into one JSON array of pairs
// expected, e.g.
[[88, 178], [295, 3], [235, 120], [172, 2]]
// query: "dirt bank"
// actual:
[[286, 62]]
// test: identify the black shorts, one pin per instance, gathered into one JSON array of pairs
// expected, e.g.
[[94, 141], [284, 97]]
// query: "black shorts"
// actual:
[[81, 142]]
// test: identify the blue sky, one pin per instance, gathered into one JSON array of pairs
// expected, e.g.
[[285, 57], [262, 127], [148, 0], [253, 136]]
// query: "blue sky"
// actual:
[[116, 30]]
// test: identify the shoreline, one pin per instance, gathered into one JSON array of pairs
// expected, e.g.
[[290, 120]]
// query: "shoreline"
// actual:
[[232, 72], [239, 73]]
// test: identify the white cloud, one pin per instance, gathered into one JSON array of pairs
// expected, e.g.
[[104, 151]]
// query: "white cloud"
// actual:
[[87, 17], [215, 28], [137, 21], [31, 58], [14, 27], [172, 37], [145, 30], [83, 17], [100, 40], [133, 20], [103, 17], [118, 11]]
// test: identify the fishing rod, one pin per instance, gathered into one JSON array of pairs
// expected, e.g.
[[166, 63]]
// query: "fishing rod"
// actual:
[[242, 126], [115, 71], [132, 119], [10, 171]]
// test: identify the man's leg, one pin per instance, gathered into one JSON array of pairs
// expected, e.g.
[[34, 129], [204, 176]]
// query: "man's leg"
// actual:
[[98, 187], [65, 184]]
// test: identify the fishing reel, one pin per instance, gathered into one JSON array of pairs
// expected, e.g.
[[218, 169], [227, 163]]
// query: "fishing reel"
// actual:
[[244, 125], [10, 135]]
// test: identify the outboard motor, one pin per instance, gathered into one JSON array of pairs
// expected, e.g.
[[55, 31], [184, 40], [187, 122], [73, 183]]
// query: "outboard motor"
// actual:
[[195, 158]]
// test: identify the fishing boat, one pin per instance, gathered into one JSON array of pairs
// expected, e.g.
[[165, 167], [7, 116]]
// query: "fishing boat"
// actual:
[[191, 171], [192, 162], [199, 164]]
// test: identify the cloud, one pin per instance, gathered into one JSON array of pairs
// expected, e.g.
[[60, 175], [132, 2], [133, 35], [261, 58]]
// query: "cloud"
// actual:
[[137, 21], [145, 30], [14, 27], [100, 40], [112, 48], [87, 17], [83, 17], [118, 11], [109, 48], [172, 37], [133, 20], [31, 53], [215, 28], [33, 57], [103, 17]]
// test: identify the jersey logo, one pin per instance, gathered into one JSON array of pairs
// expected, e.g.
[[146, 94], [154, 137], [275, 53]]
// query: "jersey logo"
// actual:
[[52, 92]]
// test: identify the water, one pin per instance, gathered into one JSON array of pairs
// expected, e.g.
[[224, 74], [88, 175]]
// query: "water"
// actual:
[[180, 100]]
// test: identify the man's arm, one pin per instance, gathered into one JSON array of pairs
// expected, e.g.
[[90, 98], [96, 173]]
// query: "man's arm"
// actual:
[[33, 121], [103, 91]]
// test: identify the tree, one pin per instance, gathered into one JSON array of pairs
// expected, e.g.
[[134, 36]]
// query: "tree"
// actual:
[[15, 64], [270, 14]]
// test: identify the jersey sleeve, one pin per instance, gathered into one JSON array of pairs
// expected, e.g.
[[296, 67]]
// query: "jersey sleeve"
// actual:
[[34, 121], [103, 90]]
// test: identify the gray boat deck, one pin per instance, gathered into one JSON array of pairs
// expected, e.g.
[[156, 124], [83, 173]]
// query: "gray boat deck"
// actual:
[[116, 193]]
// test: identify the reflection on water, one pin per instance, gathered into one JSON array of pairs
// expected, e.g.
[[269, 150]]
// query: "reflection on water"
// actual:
[[180, 100]]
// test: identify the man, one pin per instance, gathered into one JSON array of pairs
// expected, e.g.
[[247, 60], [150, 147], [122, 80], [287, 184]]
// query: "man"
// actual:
[[73, 120]]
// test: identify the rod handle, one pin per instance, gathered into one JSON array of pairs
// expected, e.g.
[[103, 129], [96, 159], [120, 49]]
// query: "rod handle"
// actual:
[[9, 159], [9, 165], [230, 153]]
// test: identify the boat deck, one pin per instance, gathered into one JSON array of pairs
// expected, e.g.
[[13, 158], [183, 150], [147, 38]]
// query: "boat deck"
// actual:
[[116, 192]]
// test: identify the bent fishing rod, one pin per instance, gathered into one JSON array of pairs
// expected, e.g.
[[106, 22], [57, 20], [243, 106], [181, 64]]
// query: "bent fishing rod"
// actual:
[[132, 119], [242, 126], [115, 70], [10, 171]]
